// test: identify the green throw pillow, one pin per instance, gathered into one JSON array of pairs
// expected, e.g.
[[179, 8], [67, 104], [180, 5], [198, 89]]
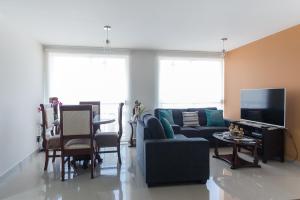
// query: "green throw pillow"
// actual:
[[214, 117], [166, 114], [167, 128]]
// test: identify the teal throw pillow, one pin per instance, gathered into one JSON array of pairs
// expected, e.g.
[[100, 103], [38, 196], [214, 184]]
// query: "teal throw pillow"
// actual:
[[166, 114], [167, 128], [214, 117]]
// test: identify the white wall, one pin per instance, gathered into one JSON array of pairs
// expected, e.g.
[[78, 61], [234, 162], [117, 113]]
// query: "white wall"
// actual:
[[143, 78], [21, 89]]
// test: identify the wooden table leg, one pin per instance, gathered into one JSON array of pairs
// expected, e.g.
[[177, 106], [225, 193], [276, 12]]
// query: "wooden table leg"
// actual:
[[234, 157], [131, 137], [255, 161], [216, 148]]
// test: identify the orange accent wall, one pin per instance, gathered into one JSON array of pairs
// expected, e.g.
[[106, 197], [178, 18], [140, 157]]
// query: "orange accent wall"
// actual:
[[270, 62]]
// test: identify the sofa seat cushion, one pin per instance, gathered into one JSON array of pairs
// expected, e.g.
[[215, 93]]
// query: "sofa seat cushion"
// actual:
[[189, 131], [202, 131], [179, 136]]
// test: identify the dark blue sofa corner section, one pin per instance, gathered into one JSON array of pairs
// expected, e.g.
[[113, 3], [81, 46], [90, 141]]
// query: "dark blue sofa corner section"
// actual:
[[165, 161]]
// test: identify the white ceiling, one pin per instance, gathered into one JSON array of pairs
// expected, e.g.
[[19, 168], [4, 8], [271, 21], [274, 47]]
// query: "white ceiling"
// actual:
[[151, 24]]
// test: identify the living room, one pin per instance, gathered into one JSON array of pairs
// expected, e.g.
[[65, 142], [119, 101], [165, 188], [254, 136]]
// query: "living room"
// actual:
[[162, 59]]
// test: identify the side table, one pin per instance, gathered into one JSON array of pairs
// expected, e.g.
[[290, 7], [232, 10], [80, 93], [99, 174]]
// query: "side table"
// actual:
[[133, 124]]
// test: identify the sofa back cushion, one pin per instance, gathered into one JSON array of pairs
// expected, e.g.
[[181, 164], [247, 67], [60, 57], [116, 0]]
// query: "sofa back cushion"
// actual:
[[177, 114], [215, 117], [167, 114], [154, 127], [201, 114]]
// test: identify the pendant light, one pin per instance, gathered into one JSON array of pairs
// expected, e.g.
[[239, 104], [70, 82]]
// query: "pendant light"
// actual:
[[107, 28], [223, 42], [106, 46]]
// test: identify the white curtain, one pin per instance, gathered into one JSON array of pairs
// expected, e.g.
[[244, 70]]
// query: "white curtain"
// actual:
[[74, 77], [190, 82]]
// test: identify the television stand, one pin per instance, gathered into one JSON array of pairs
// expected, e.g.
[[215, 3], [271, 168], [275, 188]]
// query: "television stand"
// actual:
[[252, 124], [270, 138]]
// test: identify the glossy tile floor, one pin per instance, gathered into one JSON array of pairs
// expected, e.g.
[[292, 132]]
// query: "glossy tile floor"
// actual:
[[274, 180]]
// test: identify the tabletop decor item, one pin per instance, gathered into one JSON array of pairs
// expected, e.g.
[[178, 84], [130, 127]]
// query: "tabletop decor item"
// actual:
[[236, 131], [138, 110]]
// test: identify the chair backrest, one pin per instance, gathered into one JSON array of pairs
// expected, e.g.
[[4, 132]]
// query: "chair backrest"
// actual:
[[95, 106], [76, 121], [47, 118], [120, 116]]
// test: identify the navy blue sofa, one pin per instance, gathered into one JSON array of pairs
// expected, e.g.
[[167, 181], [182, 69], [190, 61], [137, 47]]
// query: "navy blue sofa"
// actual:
[[175, 160], [202, 131]]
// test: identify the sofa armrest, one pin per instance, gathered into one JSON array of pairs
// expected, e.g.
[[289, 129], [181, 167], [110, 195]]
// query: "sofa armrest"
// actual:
[[176, 128], [176, 160], [227, 122]]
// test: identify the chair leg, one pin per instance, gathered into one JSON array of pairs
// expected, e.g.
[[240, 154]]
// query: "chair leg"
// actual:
[[92, 164], [95, 159], [69, 164], [119, 154], [97, 156], [54, 155], [46, 159], [62, 168]]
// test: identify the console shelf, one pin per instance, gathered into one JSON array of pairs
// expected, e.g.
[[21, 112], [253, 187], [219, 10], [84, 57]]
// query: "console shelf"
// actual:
[[271, 139]]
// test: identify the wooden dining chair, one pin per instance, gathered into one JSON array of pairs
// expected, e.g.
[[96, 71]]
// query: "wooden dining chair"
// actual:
[[96, 111], [51, 139], [77, 138], [111, 139]]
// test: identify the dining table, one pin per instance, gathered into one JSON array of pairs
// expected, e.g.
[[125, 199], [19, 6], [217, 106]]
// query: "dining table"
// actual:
[[98, 121]]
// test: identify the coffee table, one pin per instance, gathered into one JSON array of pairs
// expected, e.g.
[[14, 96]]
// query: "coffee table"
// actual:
[[233, 159]]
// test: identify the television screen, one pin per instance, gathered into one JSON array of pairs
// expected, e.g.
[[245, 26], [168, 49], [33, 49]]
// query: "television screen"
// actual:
[[263, 105]]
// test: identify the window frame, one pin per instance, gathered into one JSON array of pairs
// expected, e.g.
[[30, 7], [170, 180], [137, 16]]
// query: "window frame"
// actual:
[[48, 49], [219, 104]]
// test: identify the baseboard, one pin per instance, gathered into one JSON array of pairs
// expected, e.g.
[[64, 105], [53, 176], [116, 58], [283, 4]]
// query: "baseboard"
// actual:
[[296, 162], [17, 164]]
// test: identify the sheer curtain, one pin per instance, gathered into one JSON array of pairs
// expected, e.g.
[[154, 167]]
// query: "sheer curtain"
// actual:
[[74, 77], [190, 82]]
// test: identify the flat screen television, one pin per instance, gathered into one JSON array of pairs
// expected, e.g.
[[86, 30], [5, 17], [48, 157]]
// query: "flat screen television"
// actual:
[[266, 106]]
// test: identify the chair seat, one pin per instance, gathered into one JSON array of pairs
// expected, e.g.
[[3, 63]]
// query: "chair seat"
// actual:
[[107, 139], [53, 142], [78, 144]]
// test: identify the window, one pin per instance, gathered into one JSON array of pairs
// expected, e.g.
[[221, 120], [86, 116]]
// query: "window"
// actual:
[[189, 82], [74, 77]]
